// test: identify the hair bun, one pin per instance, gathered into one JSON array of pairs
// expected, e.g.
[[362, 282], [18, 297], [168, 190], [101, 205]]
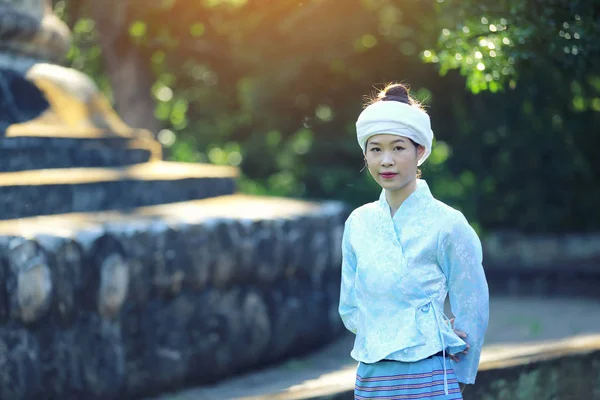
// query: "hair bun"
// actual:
[[402, 99], [396, 92]]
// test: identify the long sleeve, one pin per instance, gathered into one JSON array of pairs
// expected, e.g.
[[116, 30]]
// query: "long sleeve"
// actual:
[[460, 256], [347, 308]]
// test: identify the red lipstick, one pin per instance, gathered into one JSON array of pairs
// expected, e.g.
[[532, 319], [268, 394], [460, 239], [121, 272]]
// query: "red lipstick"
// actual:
[[388, 175]]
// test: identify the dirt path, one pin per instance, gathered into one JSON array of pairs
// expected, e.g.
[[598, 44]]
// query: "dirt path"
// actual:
[[513, 321]]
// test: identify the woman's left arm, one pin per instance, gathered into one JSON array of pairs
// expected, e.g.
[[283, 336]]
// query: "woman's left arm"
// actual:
[[460, 256]]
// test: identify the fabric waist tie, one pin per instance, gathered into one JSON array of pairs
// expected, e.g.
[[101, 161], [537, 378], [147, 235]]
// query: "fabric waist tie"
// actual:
[[443, 318]]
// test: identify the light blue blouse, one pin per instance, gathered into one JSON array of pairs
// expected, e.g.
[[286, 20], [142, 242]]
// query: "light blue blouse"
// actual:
[[396, 274]]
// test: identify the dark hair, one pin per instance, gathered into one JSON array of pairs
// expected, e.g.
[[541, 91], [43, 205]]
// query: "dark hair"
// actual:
[[396, 92]]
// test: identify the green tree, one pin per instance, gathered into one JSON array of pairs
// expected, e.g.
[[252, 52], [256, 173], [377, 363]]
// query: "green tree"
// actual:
[[275, 87], [537, 147]]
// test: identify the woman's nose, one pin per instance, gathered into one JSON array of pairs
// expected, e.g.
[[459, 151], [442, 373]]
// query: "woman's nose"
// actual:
[[387, 159]]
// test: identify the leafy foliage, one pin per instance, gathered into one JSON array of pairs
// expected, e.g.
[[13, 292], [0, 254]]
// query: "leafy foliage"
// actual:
[[274, 87]]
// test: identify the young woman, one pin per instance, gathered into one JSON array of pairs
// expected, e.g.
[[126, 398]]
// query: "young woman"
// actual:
[[402, 255]]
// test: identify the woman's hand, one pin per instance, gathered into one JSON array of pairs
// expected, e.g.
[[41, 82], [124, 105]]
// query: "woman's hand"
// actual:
[[462, 335]]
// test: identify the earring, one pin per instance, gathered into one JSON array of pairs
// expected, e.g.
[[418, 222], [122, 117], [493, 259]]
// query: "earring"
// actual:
[[364, 166]]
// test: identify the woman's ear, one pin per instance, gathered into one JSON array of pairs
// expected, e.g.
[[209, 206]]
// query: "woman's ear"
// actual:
[[420, 151]]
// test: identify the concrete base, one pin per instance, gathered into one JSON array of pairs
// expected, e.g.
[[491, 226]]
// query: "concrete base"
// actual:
[[36, 153], [60, 191]]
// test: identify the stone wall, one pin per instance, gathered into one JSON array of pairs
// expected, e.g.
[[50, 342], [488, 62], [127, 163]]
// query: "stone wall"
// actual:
[[125, 309], [541, 265], [567, 370], [573, 377]]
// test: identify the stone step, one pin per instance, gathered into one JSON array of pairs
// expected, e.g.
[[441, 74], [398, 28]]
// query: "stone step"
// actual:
[[59, 191], [34, 153]]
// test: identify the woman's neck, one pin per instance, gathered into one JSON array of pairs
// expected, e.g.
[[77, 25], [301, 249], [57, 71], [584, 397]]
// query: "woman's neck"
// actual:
[[395, 198]]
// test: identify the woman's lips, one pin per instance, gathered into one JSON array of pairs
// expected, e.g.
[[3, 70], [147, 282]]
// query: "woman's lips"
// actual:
[[388, 175]]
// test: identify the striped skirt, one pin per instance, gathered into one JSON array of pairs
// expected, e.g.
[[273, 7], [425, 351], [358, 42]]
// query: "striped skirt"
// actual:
[[395, 380]]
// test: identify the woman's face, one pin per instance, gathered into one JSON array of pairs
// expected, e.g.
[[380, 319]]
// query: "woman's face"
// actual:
[[392, 160]]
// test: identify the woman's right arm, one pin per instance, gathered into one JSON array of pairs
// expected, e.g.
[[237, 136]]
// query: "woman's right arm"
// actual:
[[348, 309]]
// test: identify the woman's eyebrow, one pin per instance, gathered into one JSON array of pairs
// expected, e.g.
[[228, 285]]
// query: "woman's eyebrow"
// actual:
[[392, 142]]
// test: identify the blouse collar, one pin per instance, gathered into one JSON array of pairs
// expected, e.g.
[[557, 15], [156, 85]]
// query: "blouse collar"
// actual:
[[411, 203]]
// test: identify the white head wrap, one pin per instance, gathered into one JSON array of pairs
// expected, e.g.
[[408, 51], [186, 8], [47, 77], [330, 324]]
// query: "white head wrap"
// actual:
[[395, 118]]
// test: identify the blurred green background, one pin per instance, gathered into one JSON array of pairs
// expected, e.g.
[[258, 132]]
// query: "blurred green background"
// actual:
[[274, 87]]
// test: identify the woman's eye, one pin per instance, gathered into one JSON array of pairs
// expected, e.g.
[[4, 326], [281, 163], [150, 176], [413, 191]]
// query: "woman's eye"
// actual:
[[375, 149], [399, 148]]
